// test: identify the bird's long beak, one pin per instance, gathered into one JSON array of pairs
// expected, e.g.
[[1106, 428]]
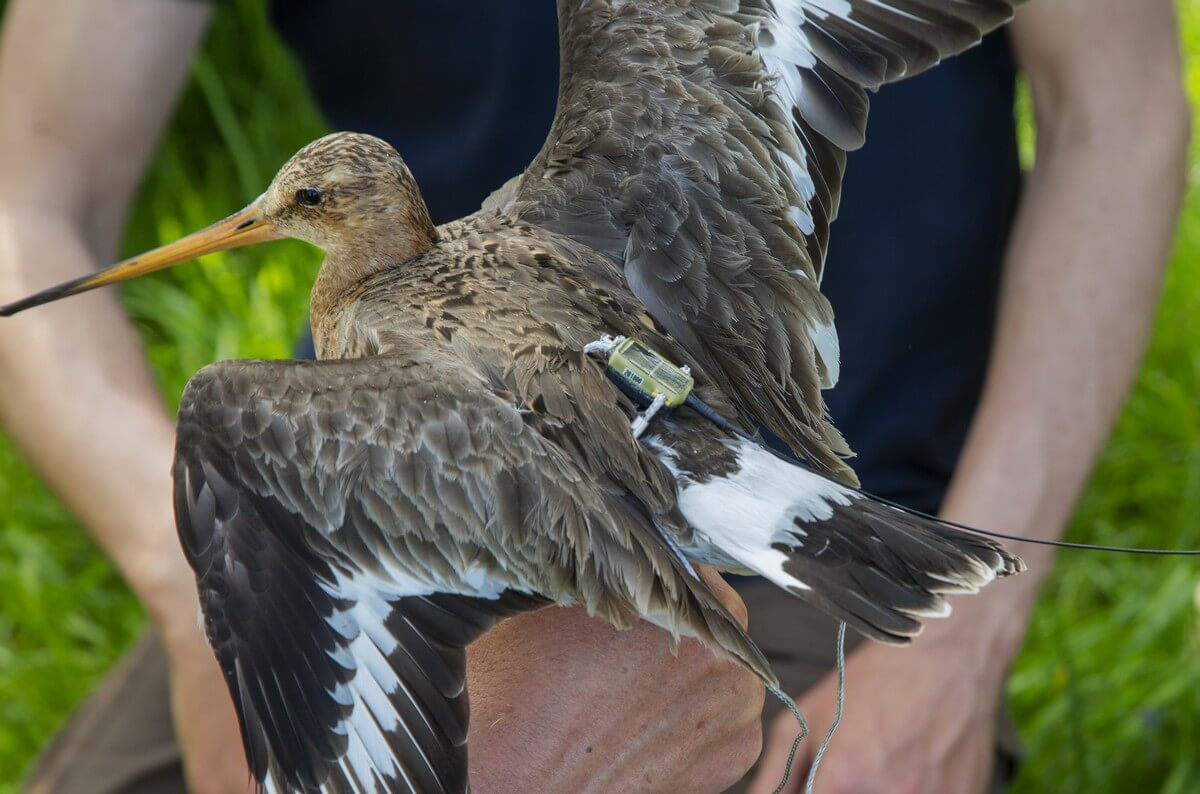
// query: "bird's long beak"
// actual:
[[246, 227]]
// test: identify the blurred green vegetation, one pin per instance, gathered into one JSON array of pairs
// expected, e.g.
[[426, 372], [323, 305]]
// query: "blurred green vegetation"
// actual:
[[1106, 691]]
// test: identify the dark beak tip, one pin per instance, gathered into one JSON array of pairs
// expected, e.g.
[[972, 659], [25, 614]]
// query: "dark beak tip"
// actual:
[[9, 309], [43, 297]]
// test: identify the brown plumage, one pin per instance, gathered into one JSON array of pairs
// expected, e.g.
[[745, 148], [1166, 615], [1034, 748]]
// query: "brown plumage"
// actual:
[[454, 457]]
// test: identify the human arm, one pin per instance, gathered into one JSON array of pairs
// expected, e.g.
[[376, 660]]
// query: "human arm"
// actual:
[[1081, 280], [77, 123], [85, 90]]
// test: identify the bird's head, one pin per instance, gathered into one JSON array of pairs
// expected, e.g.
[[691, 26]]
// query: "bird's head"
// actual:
[[344, 191], [349, 194]]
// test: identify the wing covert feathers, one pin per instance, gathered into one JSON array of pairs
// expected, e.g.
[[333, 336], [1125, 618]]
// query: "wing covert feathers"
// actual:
[[701, 145]]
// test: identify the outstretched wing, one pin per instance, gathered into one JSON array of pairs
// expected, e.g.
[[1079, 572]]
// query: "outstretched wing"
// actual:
[[353, 525], [332, 517], [702, 143]]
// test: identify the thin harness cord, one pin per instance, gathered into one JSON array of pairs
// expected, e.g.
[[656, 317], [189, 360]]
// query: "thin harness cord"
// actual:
[[837, 714], [787, 701], [705, 410], [1066, 544], [791, 706], [708, 413]]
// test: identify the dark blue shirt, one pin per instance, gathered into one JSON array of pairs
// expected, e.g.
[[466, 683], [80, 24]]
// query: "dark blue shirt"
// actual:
[[466, 91]]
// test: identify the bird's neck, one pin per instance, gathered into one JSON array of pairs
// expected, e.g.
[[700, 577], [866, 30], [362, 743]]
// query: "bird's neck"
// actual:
[[345, 273]]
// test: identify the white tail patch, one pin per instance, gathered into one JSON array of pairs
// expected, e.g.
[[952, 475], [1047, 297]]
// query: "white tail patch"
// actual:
[[744, 514]]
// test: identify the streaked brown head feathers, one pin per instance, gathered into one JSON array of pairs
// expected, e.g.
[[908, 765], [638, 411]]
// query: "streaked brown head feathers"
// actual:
[[348, 192]]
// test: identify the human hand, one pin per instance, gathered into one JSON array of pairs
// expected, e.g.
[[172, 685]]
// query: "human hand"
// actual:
[[564, 702], [918, 719]]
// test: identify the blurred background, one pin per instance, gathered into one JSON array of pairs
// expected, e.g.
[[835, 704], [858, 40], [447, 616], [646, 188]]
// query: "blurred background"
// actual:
[[1106, 691]]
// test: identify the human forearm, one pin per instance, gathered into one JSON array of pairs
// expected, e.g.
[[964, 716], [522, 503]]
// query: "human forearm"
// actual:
[[81, 405], [82, 103], [80, 109], [1081, 282]]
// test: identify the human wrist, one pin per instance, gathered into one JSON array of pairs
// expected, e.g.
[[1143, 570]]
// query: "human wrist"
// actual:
[[990, 626], [983, 634], [166, 587], [508, 750]]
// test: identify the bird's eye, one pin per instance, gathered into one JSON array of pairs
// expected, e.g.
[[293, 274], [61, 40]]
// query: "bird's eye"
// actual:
[[308, 196]]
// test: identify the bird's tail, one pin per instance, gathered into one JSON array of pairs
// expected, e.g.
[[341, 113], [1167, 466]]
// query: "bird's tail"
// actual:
[[878, 567]]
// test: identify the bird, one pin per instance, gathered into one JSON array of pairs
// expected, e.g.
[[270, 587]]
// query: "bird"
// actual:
[[455, 456]]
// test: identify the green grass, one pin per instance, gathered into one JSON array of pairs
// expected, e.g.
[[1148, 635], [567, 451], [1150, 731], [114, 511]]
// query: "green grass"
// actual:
[[1106, 691]]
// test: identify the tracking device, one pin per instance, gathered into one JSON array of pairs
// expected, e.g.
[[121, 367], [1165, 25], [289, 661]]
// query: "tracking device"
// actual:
[[644, 375]]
